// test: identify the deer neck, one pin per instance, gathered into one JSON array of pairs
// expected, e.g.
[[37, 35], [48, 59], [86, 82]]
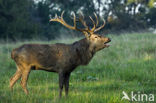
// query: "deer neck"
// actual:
[[84, 51]]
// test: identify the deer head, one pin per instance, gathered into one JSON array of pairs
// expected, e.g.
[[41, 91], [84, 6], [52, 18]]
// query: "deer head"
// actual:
[[96, 41]]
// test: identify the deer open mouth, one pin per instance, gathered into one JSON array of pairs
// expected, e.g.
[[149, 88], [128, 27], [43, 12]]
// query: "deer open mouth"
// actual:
[[106, 43]]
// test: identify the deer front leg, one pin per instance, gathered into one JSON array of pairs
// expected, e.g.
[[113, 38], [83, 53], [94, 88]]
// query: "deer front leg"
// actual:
[[61, 82], [66, 83]]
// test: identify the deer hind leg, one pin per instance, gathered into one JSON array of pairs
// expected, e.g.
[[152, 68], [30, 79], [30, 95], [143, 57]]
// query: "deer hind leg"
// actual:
[[16, 76], [25, 75]]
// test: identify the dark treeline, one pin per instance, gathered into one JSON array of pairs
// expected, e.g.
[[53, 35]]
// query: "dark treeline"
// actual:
[[26, 19]]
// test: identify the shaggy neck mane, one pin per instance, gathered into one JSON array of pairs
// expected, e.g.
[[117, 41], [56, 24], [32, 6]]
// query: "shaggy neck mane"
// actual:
[[83, 50]]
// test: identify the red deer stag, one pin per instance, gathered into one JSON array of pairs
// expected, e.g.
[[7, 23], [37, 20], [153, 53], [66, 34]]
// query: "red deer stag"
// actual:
[[59, 58]]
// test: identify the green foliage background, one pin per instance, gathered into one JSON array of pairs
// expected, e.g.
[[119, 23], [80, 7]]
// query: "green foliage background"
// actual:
[[26, 19]]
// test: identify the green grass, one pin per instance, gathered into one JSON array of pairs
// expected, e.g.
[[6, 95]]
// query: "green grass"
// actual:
[[129, 64]]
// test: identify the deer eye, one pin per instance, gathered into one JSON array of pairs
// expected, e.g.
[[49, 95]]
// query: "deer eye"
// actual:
[[95, 37]]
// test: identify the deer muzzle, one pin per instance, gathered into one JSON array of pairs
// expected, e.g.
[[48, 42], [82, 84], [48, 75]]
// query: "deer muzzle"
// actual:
[[107, 45]]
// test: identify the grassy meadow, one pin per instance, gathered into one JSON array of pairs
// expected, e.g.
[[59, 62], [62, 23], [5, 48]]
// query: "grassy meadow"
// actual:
[[129, 64]]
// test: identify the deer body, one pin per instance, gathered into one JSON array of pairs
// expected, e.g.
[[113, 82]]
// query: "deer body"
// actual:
[[54, 57], [60, 58]]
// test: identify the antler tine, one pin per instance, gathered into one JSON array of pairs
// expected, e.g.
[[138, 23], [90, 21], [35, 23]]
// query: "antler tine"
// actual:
[[62, 15], [81, 19], [94, 27], [54, 19], [56, 16], [100, 26], [82, 30], [81, 14], [74, 19], [97, 22]]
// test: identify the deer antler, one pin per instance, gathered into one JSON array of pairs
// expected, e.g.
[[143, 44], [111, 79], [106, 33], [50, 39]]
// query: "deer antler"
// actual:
[[61, 20], [97, 29], [94, 29], [81, 19], [86, 30]]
